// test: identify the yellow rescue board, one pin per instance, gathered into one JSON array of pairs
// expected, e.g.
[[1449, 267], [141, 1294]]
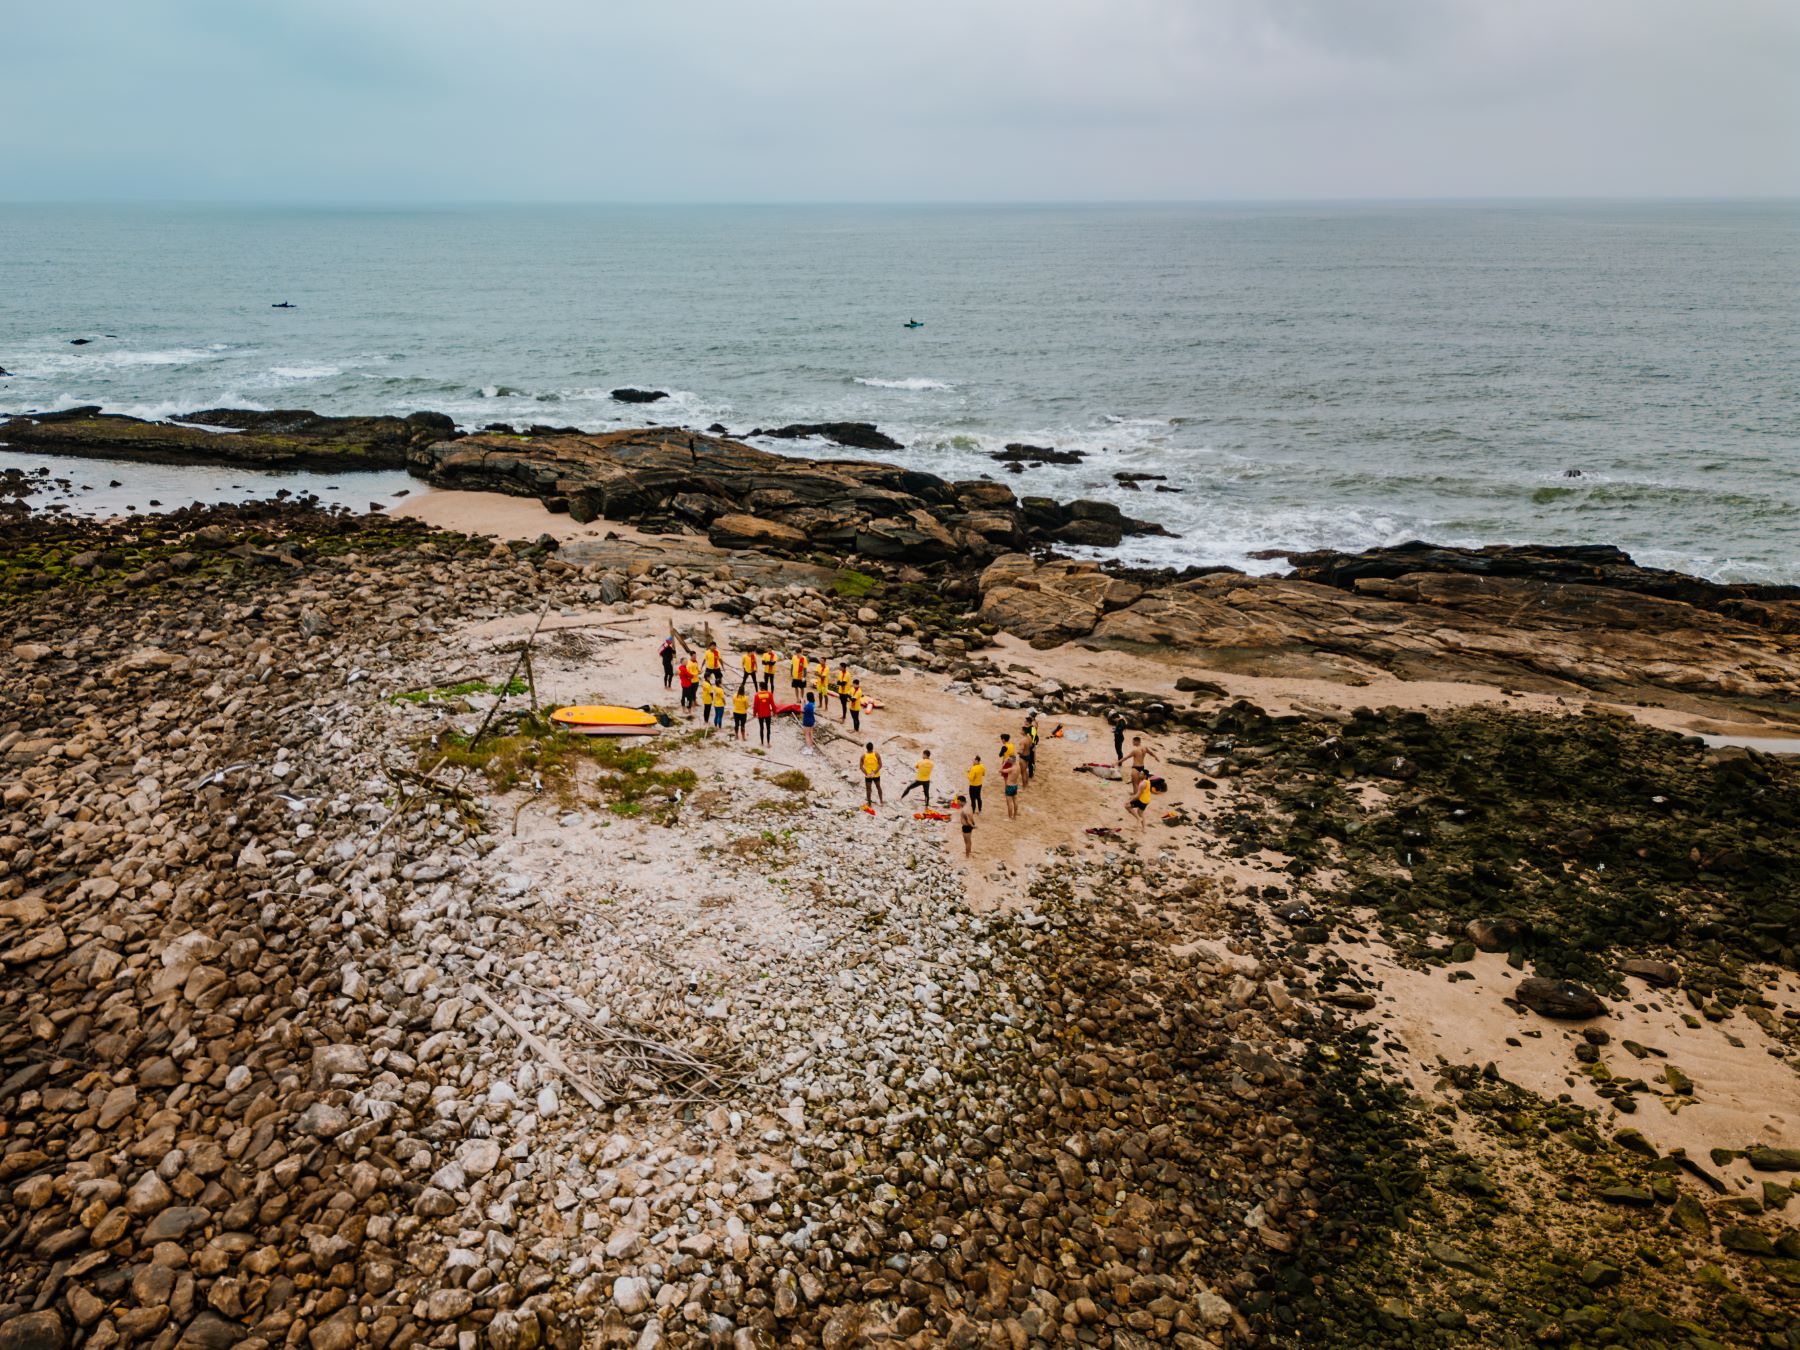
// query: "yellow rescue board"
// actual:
[[603, 715]]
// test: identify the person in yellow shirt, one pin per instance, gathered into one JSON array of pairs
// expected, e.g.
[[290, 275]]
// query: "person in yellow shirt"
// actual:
[[713, 661], [822, 685], [843, 684], [768, 666], [797, 674], [871, 767], [977, 776], [748, 660], [856, 700], [1139, 804], [740, 714], [922, 770], [706, 699]]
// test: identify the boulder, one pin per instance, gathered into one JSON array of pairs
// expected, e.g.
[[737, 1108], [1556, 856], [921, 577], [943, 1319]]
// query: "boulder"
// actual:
[[1498, 933], [738, 531], [855, 435], [1562, 999], [638, 395]]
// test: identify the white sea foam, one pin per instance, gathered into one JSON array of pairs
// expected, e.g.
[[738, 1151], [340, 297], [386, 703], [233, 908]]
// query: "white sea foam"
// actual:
[[305, 372], [917, 383]]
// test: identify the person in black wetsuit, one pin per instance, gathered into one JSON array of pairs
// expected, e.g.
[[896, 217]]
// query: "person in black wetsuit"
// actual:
[[1118, 726]]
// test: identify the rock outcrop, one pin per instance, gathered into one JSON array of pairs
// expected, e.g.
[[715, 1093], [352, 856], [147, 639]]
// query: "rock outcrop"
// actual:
[[664, 479], [1495, 625], [851, 435], [280, 439]]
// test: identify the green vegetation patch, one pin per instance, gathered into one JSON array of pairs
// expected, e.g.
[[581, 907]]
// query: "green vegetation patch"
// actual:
[[853, 585], [452, 691], [536, 755]]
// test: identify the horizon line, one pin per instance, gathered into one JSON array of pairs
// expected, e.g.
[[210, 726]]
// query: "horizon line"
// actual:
[[449, 203]]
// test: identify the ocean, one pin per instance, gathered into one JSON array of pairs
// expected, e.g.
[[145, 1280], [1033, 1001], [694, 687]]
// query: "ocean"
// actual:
[[1308, 376]]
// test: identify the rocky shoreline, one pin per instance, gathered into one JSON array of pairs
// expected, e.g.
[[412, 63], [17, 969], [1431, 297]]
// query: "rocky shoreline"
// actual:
[[306, 1045]]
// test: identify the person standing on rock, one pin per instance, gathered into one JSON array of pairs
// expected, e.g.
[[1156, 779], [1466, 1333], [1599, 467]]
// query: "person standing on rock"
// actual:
[[797, 674], [871, 767], [966, 819], [856, 701], [763, 705], [977, 775], [809, 714], [667, 652], [1009, 775], [922, 770]]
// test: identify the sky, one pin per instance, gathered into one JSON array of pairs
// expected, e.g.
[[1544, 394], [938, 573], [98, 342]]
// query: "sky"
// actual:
[[929, 100]]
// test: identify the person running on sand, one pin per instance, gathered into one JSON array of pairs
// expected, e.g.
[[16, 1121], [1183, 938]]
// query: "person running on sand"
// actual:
[[740, 712], [809, 714], [966, 819], [1009, 775], [871, 767], [977, 776], [856, 698], [1138, 752], [689, 674], [923, 769], [667, 652], [1139, 802], [797, 674], [763, 706]]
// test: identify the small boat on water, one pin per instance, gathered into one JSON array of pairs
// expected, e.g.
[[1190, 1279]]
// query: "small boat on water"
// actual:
[[912, 323]]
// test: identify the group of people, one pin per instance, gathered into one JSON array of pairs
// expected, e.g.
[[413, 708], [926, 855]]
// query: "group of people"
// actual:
[[702, 679], [1017, 761], [813, 683]]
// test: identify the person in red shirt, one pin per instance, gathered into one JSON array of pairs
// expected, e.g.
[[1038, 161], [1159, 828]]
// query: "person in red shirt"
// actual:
[[763, 705], [689, 672]]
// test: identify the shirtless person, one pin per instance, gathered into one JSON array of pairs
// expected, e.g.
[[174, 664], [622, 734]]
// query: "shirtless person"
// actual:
[[966, 819], [1136, 755]]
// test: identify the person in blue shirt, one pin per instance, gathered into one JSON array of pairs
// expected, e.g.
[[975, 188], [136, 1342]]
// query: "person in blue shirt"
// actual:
[[809, 714]]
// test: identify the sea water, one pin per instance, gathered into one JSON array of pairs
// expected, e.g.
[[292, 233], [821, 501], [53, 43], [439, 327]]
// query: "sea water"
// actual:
[[1305, 375]]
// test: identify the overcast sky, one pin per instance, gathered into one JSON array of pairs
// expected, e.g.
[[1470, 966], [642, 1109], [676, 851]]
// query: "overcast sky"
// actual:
[[843, 100]]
